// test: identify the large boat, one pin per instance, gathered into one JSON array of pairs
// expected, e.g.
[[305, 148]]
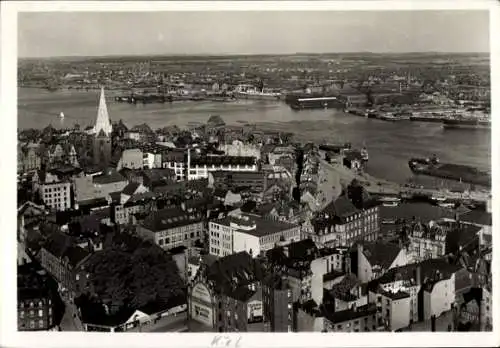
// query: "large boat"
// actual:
[[393, 116], [467, 123], [337, 148], [331, 102], [252, 92], [459, 172]]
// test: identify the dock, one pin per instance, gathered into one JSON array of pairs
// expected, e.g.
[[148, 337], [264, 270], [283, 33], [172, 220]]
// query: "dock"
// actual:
[[338, 173]]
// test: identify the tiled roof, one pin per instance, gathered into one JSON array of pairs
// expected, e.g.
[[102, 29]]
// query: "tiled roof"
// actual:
[[108, 179], [341, 207], [233, 274], [477, 217], [263, 226], [395, 295], [381, 254], [223, 160], [342, 290], [130, 189], [349, 314], [170, 218], [429, 269]]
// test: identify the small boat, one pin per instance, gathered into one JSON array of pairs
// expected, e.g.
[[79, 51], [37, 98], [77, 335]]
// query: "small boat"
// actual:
[[438, 198], [61, 115], [390, 201], [446, 204]]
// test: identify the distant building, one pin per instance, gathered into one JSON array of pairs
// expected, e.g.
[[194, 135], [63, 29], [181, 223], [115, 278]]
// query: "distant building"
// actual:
[[426, 242], [376, 258], [177, 161], [28, 158], [255, 181], [227, 296], [55, 193], [60, 258], [239, 149], [249, 233], [35, 299], [340, 223], [421, 290], [172, 227], [99, 187], [356, 319], [278, 304], [131, 159], [199, 167]]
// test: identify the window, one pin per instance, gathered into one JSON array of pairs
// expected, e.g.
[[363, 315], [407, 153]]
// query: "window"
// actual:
[[40, 312], [21, 314], [40, 323], [32, 324]]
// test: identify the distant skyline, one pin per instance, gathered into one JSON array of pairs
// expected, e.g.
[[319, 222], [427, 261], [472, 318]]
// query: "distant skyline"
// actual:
[[55, 34]]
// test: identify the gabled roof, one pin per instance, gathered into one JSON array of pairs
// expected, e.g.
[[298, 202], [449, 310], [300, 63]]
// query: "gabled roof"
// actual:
[[170, 218], [429, 269], [341, 207], [130, 189], [108, 179], [477, 217], [381, 254]]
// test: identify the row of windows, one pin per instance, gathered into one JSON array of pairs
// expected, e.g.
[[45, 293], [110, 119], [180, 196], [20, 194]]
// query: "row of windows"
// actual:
[[31, 313], [33, 304], [177, 238], [55, 188], [41, 324]]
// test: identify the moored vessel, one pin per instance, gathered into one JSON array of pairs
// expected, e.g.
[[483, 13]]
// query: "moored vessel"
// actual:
[[467, 123], [458, 172]]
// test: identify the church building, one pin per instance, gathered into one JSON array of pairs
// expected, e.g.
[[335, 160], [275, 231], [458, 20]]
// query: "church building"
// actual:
[[102, 131]]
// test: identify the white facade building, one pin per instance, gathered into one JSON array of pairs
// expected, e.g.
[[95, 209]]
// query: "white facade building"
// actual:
[[199, 167], [250, 233]]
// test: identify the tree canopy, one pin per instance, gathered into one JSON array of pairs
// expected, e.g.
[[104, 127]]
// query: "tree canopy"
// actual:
[[134, 277]]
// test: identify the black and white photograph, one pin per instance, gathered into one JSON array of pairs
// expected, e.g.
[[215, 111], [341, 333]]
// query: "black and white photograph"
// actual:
[[247, 170]]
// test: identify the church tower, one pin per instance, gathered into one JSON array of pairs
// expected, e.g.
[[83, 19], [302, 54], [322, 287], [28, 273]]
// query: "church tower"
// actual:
[[102, 130]]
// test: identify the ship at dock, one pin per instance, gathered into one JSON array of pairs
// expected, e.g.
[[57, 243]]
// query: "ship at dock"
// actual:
[[458, 172], [255, 93], [467, 123], [307, 102]]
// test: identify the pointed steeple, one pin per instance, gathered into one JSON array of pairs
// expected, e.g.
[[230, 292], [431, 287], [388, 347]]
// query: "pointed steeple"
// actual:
[[103, 123]]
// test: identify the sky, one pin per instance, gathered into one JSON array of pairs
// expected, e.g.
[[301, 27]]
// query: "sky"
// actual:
[[51, 34]]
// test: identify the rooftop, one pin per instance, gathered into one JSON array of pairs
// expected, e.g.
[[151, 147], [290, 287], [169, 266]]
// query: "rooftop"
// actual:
[[380, 254], [223, 160], [263, 227], [349, 314], [170, 218], [108, 179]]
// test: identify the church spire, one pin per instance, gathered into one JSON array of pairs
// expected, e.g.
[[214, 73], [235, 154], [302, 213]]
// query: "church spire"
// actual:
[[103, 123]]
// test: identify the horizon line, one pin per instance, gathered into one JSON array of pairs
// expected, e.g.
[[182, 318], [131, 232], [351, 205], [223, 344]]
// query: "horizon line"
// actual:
[[247, 54]]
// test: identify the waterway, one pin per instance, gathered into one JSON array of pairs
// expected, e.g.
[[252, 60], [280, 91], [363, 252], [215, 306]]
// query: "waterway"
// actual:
[[389, 144]]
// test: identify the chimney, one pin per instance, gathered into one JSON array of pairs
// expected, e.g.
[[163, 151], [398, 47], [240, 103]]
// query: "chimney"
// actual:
[[347, 263], [418, 275]]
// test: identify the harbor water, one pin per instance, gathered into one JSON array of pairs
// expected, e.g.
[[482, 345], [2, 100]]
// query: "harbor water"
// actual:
[[390, 144]]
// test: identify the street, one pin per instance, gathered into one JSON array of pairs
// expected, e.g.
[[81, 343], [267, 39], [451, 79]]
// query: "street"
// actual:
[[172, 323], [70, 320]]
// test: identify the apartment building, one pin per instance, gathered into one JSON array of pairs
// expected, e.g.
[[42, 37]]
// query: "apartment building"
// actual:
[[250, 233], [172, 227]]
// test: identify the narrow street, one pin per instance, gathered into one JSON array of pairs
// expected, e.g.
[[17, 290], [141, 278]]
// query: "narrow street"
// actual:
[[70, 320], [172, 323]]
